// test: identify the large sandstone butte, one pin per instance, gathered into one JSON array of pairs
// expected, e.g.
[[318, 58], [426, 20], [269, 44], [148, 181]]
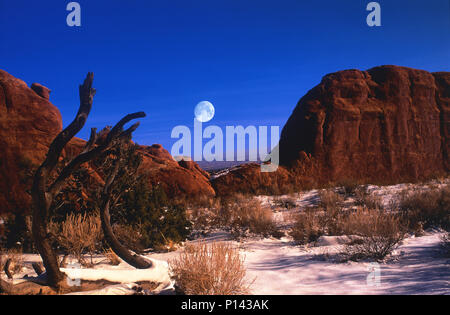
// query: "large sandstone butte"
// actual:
[[29, 123], [385, 125]]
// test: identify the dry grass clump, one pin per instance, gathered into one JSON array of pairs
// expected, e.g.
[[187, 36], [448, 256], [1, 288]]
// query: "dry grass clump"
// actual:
[[367, 200], [239, 213], [246, 214], [380, 234], [16, 260], [307, 227], [330, 199], [214, 269], [427, 209], [78, 235]]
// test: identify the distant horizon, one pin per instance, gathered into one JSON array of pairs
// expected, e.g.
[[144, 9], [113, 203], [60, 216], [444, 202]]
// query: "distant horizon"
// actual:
[[252, 60]]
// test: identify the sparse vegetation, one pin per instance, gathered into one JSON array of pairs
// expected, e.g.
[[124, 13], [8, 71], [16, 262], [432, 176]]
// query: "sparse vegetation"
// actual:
[[426, 209], [367, 200], [78, 235], [214, 269], [238, 213], [380, 234], [330, 199], [307, 227], [156, 220]]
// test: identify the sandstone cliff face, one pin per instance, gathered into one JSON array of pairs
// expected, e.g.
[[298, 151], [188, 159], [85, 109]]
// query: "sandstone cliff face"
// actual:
[[388, 124], [29, 123], [385, 124]]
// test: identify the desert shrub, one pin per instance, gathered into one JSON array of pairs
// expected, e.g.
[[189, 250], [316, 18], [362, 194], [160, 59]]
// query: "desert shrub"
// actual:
[[329, 199], [158, 220], [215, 269], [380, 234], [367, 200], [238, 213], [17, 261], [428, 208], [307, 227], [247, 214], [78, 235]]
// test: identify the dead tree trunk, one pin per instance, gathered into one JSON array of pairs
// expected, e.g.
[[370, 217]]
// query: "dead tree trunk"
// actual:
[[43, 192], [136, 261]]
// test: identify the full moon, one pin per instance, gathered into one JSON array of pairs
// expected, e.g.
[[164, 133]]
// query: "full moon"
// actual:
[[204, 111]]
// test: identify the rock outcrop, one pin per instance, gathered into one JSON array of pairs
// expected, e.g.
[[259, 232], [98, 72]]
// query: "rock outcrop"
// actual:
[[29, 123], [385, 125]]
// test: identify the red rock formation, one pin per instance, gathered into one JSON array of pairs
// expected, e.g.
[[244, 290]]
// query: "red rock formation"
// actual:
[[388, 124], [28, 124], [184, 178]]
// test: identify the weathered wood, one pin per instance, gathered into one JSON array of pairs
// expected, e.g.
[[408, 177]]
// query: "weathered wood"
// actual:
[[38, 268], [6, 268], [43, 192], [134, 260]]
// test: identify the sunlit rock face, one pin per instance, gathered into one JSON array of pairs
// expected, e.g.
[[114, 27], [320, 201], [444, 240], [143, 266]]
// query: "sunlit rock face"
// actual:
[[385, 125], [28, 124]]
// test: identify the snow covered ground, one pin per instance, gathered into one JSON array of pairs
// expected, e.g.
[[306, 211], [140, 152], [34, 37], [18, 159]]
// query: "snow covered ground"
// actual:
[[279, 267]]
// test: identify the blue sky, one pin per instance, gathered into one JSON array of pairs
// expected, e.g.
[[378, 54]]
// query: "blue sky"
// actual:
[[252, 59]]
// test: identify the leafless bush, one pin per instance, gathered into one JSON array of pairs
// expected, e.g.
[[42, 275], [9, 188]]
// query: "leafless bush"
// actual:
[[367, 200], [330, 199], [239, 213], [215, 269], [307, 227], [78, 234], [428, 208], [380, 234], [247, 214]]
